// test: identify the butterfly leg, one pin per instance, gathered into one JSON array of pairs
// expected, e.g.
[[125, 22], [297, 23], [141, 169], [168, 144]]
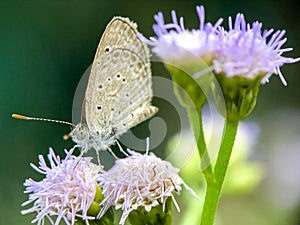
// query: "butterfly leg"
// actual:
[[111, 152], [98, 157], [121, 149]]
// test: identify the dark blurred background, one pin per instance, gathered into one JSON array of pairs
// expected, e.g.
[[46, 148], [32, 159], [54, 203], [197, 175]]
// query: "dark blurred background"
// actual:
[[45, 47]]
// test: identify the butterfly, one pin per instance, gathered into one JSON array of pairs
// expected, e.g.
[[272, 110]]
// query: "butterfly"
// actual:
[[119, 90]]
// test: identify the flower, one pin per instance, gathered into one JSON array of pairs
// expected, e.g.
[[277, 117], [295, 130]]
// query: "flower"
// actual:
[[139, 181], [245, 50], [174, 43], [185, 53], [244, 58], [67, 191]]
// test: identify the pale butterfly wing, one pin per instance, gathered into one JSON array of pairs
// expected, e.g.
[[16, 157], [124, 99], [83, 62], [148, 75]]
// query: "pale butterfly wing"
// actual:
[[123, 98], [119, 92], [121, 33]]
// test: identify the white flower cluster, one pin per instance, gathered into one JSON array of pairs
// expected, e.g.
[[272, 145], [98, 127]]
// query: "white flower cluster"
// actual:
[[140, 180], [67, 190], [69, 186]]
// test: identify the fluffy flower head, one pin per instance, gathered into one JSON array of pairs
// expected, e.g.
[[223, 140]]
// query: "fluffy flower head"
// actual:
[[139, 180], [244, 50], [66, 192], [174, 43]]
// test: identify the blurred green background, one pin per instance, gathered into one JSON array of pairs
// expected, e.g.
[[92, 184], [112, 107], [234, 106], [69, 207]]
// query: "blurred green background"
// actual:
[[45, 47]]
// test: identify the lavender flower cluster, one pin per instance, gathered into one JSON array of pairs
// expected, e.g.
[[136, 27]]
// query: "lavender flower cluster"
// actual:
[[241, 50]]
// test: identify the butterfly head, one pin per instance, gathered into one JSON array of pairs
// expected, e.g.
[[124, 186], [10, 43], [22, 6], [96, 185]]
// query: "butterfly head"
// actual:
[[85, 139], [80, 134]]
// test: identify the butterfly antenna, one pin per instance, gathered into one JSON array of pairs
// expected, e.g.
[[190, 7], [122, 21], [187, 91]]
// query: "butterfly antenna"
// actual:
[[121, 149], [22, 117]]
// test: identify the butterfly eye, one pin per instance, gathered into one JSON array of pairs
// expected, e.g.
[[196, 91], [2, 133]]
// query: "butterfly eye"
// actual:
[[99, 108], [100, 86]]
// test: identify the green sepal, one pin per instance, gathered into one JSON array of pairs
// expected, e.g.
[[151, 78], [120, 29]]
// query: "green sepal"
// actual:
[[188, 90], [98, 196], [156, 215], [240, 95], [94, 209], [106, 219], [95, 206]]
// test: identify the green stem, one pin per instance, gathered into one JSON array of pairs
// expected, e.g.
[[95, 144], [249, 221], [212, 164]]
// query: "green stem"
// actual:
[[195, 118], [214, 187]]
